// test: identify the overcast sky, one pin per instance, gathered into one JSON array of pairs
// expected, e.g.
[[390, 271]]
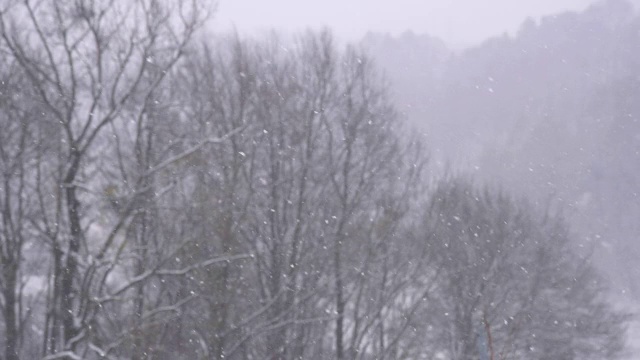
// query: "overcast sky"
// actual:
[[458, 22]]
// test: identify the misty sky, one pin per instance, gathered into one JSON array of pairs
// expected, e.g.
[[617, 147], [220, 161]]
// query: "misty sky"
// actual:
[[458, 22]]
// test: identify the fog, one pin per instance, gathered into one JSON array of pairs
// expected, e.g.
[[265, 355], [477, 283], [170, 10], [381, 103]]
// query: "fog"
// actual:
[[459, 23], [425, 46], [286, 179]]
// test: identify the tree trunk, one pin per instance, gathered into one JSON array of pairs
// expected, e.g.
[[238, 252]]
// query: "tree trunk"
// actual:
[[339, 301], [70, 271], [10, 317]]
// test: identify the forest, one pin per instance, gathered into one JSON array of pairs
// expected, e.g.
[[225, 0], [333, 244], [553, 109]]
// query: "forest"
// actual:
[[168, 193]]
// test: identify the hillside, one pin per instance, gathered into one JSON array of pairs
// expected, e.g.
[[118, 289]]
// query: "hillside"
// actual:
[[551, 113]]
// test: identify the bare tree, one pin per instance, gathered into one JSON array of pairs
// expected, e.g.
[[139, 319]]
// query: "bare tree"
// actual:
[[19, 139], [90, 63], [275, 191], [217, 95], [511, 288], [292, 93]]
